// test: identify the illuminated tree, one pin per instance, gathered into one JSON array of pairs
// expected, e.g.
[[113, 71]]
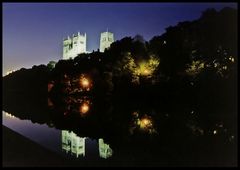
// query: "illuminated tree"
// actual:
[[195, 67], [145, 68]]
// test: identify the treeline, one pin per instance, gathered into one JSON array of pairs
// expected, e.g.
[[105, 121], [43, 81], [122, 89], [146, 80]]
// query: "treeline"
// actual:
[[188, 54]]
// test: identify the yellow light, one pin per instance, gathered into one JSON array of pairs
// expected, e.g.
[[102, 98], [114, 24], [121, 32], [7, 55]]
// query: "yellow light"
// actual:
[[146, 72], [144, 123], [84, 108], [215, 132]]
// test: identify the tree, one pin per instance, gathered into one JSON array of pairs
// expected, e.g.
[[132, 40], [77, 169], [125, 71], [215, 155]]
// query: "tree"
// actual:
[[51, 64]]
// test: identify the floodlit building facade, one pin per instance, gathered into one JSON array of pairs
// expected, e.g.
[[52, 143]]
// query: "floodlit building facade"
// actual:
[[77, 44], [74, 46], [106, 40]]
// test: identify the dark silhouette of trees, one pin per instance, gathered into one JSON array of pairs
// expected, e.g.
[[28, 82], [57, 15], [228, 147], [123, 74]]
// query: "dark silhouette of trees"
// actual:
[[199, 39]]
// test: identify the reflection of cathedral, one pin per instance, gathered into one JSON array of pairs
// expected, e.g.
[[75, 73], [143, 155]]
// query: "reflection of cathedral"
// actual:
[[72, 143], [75, 145], [9, 115], [104, 149]]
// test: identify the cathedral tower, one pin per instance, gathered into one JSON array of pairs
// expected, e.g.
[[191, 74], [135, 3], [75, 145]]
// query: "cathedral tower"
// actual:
[[106, 40], [74, 46]]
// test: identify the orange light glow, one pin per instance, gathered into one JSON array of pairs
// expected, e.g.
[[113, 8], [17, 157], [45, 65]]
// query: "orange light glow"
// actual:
[[84, 108], [85, 82]]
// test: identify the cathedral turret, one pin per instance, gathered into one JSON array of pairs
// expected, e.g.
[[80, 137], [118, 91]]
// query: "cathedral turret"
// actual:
[[74, 46], [106, 40]]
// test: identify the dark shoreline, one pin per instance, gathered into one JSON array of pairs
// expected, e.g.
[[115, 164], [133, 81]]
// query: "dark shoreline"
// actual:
[[20, 151]]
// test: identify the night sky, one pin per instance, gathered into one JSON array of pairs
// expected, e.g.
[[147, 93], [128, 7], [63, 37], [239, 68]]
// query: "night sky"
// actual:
[[33, 32]]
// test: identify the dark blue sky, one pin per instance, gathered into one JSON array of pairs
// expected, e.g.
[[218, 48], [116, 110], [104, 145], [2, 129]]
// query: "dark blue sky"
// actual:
[[33, 32]]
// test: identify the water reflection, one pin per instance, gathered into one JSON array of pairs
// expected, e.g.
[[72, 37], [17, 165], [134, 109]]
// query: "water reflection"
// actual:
[[128, 127], [84, 108], [75, 145], [79, 105], [104, 149], [143, 123], [9, 115]]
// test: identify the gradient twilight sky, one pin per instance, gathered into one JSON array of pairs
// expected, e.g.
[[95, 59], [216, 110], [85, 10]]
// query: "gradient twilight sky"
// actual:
[[33, 32]]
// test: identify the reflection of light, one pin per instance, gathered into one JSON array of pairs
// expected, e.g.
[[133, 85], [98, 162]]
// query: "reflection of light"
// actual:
[[145, 122], [231, 59], [9, 115], [84, 108], [215, 132], [225, 67], [85, 82], [231, 138]]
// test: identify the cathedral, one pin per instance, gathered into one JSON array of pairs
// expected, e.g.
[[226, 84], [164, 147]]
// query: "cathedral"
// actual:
[[77, 44]]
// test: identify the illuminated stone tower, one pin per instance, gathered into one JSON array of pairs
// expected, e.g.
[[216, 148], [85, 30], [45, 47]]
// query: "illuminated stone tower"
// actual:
[[72, 143], [106, 40], [74, 46]]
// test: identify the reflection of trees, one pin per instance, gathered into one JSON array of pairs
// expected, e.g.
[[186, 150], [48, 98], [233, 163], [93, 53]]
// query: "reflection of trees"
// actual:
[[72, 105], [142, 122], [178, 130]]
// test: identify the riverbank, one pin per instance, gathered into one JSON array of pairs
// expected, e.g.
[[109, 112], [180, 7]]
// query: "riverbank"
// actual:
[[20, 151]]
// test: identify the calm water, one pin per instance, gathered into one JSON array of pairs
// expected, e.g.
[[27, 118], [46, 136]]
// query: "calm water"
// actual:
[[139, 134], [64, 142]]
